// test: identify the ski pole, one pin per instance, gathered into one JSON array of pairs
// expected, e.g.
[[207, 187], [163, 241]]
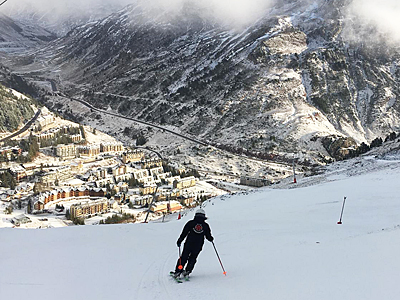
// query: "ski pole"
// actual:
[[341, 214], [180, 267], [219, 258]]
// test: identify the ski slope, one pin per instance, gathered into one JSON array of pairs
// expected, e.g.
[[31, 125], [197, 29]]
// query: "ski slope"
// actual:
[[274, 244]]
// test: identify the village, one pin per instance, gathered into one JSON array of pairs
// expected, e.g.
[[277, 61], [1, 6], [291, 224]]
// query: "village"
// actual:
[[80, 175]]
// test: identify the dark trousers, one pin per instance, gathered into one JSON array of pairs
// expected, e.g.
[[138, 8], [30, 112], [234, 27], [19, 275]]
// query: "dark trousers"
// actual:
[[189, 256]]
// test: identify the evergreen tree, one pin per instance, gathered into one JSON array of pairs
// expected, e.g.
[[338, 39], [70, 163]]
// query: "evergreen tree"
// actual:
[[9, 209], [7, 180], [363, 148], [141, 140], [391, 137], [376, 142], [82, 132], [29, 207]]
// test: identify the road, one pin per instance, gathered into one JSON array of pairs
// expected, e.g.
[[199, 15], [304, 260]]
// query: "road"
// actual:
[[23, 129], [206, 144], [138, 121]]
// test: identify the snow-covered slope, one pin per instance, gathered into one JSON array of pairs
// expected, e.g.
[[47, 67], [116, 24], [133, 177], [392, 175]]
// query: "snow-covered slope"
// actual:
[[274, 244], [61, 16], [17, 36]]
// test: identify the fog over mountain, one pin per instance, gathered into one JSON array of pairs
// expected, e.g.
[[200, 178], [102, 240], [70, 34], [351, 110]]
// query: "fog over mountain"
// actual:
[[377, 19], [374, 19], [233, 12], [60, 16]]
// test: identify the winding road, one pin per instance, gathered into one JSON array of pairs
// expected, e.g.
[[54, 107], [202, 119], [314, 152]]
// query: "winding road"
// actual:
[[138, 121], [24, 128], [202, 143]]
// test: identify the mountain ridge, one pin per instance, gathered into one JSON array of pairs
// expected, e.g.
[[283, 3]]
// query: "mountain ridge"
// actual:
[[287, 79]]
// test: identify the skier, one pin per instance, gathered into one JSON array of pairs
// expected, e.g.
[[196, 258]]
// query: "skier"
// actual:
[[194, 231]]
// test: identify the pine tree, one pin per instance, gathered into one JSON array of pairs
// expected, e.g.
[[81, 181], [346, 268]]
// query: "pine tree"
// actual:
[[82, 132], [9, 210], [376, 142], [29, 207]]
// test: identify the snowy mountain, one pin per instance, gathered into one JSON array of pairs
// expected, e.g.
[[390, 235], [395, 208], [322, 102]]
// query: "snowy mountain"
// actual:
[[18, 36], [283, 83], [281, 243], [60, 16]]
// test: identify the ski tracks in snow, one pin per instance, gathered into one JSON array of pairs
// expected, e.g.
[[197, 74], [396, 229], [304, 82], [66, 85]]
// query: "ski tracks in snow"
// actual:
[[155, 282]]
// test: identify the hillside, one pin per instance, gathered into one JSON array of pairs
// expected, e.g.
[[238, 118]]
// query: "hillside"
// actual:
[[14, 111], [61, 16], [282, 84], [280, 243], [15, 37]]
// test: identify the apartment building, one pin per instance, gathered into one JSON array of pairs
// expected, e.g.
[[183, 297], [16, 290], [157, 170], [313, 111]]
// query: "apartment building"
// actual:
[[183, 183], [151, 163], [148, 189], [69, 194], [256, 182], [88, 208], [119, 170], [45, 119], [66, 151], [111, 147], [141, 200], [132, 156], [166, 206], [89, 150], [18, 172], [139, 174]]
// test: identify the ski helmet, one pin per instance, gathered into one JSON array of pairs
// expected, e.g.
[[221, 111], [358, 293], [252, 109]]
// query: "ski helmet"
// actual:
[[200, 212]]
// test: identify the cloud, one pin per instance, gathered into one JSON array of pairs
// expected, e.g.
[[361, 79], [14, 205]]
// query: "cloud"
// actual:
[[240, 12], [383, 16], [57, 8]]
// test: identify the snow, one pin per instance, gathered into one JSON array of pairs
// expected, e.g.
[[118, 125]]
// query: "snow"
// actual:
[[275, 243], [18, 94]]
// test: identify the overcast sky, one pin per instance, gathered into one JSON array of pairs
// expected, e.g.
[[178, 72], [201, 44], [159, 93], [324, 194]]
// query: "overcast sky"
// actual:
[[238, 11], [384, 14]]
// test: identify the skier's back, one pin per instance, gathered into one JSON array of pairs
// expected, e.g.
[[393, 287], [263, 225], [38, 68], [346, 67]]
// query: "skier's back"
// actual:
[[194, 231]]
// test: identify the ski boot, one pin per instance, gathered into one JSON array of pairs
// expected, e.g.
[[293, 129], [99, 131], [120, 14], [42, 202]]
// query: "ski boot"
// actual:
[[185, 275], [175, 274]]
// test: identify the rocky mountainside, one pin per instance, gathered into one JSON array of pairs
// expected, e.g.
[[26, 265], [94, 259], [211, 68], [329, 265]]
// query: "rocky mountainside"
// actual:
[[60, 16], [18, 36], [283, 84]]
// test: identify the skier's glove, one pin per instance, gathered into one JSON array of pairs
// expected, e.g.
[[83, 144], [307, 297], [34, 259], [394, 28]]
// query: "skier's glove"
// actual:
[[178, 244]]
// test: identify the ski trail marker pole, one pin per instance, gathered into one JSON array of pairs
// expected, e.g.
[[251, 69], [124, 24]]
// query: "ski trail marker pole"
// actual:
[[341, 214], [180, 267], [219, 258]]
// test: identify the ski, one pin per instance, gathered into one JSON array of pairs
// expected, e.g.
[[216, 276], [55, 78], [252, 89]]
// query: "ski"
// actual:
[[172, 274]]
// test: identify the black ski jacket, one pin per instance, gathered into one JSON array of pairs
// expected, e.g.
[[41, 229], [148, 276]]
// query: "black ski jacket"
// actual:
[[194, 231]]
